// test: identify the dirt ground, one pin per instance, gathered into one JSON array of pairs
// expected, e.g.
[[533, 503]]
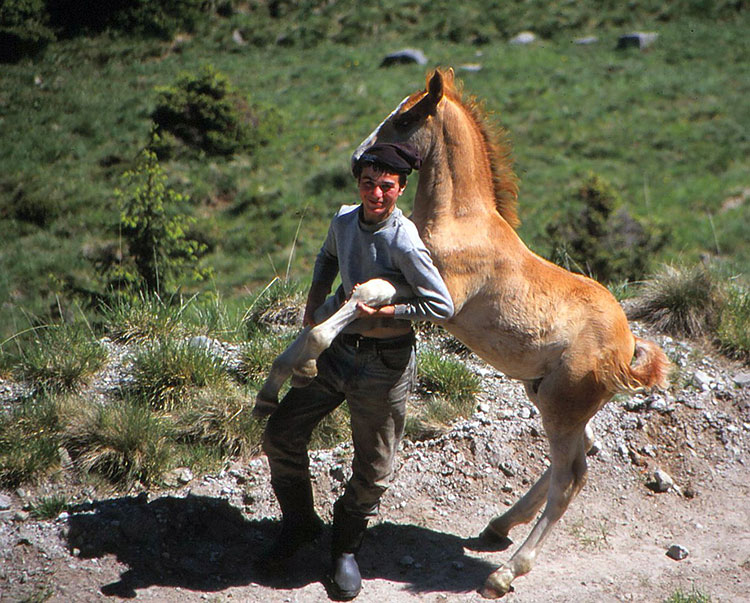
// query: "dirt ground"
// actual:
[[197, 542]]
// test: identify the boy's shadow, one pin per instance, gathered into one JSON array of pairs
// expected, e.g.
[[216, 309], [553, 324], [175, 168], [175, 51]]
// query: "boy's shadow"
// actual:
[[205, 544]]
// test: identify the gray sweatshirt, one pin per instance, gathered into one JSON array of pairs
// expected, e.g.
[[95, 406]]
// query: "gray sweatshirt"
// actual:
[[392, 250]]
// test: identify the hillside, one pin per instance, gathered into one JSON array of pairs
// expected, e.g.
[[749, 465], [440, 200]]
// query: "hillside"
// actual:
[[667, 127]]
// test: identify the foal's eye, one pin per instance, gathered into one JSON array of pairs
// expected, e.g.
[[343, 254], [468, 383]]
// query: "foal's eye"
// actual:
[[404, 121]]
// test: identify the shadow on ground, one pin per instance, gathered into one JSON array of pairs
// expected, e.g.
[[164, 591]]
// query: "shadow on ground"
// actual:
[[205, 544]]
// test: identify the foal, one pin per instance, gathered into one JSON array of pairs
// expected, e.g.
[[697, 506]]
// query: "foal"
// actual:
[[562, 334]]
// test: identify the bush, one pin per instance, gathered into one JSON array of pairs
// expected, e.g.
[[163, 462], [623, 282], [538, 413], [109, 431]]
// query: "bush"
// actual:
[[598, 237], [24, 29], [161, 18], [207, 113]]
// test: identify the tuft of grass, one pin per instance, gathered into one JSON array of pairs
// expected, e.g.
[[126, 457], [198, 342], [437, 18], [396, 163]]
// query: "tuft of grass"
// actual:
[[123, 441], [332, 430], [694, 596], [164, 372], [733, 332], [141, 317], [60, 358], [48, 507], [448, 391], [29, 442], [681, 301], [219, 418], [279, 303]]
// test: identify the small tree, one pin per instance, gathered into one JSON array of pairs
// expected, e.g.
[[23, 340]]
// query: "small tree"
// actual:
[[154, 228]]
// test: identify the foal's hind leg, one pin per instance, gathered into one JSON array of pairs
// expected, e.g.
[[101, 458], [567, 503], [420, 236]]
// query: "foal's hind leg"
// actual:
[[563, 480], [526, 507]]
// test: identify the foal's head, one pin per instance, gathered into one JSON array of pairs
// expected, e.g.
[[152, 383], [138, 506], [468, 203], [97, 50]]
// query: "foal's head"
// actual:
[[423, 118]]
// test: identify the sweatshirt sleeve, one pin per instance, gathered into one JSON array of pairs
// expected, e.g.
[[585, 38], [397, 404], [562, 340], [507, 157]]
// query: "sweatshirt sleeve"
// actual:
[[431, 301]]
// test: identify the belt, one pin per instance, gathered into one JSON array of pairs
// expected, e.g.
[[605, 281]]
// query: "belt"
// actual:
[[376, 343]]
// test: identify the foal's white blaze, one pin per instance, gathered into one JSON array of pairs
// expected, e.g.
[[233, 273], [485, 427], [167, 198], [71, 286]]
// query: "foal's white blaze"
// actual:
[[370, 140]]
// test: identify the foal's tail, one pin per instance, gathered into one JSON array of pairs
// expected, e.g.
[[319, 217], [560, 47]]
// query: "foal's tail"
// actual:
[[647, 370]]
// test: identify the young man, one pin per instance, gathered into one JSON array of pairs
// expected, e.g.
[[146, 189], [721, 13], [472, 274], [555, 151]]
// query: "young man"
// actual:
[[372, 364]]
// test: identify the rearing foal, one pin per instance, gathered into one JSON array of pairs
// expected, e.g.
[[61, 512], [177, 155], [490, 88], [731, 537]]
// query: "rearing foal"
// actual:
[[563, 335]]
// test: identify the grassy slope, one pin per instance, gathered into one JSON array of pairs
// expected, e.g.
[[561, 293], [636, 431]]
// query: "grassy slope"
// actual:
[[668, 127]]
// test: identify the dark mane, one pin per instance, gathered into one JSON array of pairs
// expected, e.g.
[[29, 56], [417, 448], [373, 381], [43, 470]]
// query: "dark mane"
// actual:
[[498, 148]]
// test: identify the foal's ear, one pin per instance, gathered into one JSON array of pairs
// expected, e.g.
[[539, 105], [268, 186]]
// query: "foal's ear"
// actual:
[[436, 85]]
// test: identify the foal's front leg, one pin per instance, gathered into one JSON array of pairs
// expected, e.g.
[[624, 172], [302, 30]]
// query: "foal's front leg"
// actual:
[[299, 359]]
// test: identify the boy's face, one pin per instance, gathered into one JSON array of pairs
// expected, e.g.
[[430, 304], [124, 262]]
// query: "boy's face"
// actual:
[[378, 192]]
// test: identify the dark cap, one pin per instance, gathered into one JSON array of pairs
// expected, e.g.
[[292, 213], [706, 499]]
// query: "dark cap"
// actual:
[[398, 157]]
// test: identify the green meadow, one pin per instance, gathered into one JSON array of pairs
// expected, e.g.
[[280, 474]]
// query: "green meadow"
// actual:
[[667, 127]]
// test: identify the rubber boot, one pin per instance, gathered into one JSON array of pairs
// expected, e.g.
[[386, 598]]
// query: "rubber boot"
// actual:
[[300, 524], [345, 580]]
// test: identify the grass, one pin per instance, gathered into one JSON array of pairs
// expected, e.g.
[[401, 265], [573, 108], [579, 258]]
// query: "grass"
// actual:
[[680, 301], [60, 358], [29, 441], [694, 596], [48, 507], [666, 127], [447, 389], [123, 441], [165, 372]]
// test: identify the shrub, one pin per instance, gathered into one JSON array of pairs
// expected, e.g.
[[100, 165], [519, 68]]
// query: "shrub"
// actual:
[[598, 237], [165, 372], [162, 18], [207, 113], [60, 358], [153, 226], [258, 354], [24, 29], [680, 301]]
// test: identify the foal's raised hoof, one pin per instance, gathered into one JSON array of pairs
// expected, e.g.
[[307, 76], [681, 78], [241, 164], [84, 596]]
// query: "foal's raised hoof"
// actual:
[[494, 540], [264, 406]]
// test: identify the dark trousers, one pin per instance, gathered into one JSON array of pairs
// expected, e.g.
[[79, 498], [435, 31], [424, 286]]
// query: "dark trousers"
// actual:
[[375, 377]]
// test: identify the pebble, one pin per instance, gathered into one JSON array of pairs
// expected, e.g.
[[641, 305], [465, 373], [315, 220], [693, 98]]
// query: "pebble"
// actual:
[[5, 502], [677, 552], [662, 481]]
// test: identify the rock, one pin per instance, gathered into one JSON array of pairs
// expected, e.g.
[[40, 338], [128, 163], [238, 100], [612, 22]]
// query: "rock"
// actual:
[[742, 379], [586, 41], [662, 481], [470, 67], [5, 502], [638, 39], [405, 56], [523, 38], [702, 380], [677, 552], [406, 561], [237, 38]]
